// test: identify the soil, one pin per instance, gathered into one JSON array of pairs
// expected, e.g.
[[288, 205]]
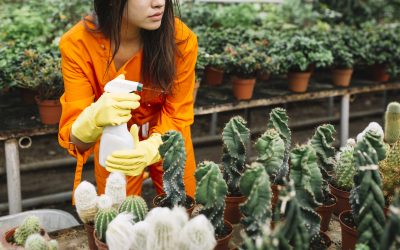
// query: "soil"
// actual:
[[159, 202], [329, 200], [225, 233], [348, 220]]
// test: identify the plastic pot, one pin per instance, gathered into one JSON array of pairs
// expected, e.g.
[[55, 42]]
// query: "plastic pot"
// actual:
[[89, 228], [298, 81], [189, 199], [342, 200], [49, 111], [243, 88], [100, 245], [326, 213], [379, 73], [213, 76], [223, 243], [232, 212], [342, 77], [349, 234]]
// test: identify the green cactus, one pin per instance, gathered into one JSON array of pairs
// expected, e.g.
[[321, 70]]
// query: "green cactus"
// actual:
[[391, 236], [174, 159], [211, 192], [29, 226], [392, 123], [372, 139], [235, 137], [104, 216], [345, 168], [271, 151], [390, 171], [135, 205], [322, 143], [266, 241], [255, 185], [278, 120], [362, 247], [37, 242]]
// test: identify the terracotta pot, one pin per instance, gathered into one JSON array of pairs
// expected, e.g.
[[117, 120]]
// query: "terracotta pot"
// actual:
[[28, 96], [89, 228], [326, 213], [342, 77], [223, 244], [232, 212], [326, 238], [6, 239], [213, 76], [342, 200], [159, 197], [196, 88], [100, 245], [263, 76], [298, 81], [49, 111], [379, 73], [243, 88], [349, 235]]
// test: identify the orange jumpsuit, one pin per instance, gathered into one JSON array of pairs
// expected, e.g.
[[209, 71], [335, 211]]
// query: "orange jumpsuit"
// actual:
[[84, 68]]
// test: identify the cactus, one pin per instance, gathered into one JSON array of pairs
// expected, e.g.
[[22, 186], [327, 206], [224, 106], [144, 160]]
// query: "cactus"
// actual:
[[29, 226], [390, 171], [362, 247], [322, 144], [235, 137], [211, 192], [86, 201], [266, 241], [278, 120], [118, 234], [374, 127], [392, 123], [271, 151], [197, 234], [37, 242], [104, 216], [135, 205], [139, 235], [345, 168], [255, 185], [174, 159], [391, 235], [116, 188]]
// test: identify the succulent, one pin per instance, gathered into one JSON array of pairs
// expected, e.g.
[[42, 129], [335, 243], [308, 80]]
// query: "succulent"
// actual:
[[37, 242], [391, 236], [390, 171], [29, 226], [266, 241], [211, 192], [104, 216], [278, 120], [174, 159], [136, 206], [139, 235], [118, 234], [197, 234], [255, 185], [322, 143], [271, 151], [392, 123], [345, 168], [85, 197], [116, 188], [374, 127]]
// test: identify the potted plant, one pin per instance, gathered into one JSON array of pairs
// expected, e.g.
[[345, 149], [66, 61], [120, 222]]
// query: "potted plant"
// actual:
[[235, 137], [214, 71], [136, 206], [104, 216], [116, 188], [265, 65], [211, 192], [342, 67]]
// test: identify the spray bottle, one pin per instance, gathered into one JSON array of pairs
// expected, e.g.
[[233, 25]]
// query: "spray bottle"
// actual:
[[117, 137]]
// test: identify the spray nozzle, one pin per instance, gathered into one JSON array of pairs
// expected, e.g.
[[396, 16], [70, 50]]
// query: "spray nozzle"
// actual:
[[122, 86]]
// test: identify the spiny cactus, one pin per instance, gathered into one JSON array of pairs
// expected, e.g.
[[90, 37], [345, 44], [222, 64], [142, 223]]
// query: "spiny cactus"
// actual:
[[104, 216], [197, 234], [278, 120], [211, 192], [322, 143], [266, 241], [136, 206], [86, 201], [271, 151], [345, 168], [390, 170], [235, 137], [29, 226], [255, 185], [118, 234], [391, 236], [37, 242], [139, 235], [373, 127], [174, 159], [392, 123], [116, 188]]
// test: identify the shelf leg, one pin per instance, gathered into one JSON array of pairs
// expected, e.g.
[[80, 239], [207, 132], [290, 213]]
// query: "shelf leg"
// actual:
[[344, 119], [13, 176]]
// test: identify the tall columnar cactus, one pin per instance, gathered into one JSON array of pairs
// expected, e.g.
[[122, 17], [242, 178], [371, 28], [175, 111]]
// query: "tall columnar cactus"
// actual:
[[278, 120], [255, 185], [29, 226], [391, 236], [37, 242], [271, 151], [136, 206], [197, 234], [211, 192], [322, 143], [104, 216], [345, 168], [235, 137], [174, 159], [86, 201], [116, 188], [118, 234], [392, 123], [390, 170]]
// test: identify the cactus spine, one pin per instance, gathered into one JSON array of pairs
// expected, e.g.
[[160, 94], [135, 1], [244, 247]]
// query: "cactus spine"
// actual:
[[255, 185], [116, 188], [278, 120], [174, 159], [211, 192], [86, 201], [29, 226], [345, 168], [37, 242], [271, 151], [391, 236], [322, 144], [104, 216], [136, 206], [235, 137], [392, 123]]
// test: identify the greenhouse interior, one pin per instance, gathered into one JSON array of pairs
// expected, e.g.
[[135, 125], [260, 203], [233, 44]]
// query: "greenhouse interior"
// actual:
[[200, 124]]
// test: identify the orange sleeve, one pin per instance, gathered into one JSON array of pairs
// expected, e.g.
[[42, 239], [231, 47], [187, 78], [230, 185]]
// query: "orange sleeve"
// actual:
[[177, 111]]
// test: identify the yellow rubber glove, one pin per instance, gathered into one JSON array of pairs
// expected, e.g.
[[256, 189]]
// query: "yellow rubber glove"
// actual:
[[133, 162], [109, 110]]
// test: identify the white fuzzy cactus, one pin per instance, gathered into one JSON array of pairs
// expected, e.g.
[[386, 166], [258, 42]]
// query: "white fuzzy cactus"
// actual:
[[180, 215], [116, 188], [85, 196], [119, 231], [139, 235], [197, 234], [104, 202], [37, 242], [373, 126]]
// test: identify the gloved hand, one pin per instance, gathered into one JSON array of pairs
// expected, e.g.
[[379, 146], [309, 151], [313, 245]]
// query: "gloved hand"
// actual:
[[109, 110], [132, 162]]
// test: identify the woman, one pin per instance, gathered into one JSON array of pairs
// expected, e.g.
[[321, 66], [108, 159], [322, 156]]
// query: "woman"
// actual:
[[142, 41]]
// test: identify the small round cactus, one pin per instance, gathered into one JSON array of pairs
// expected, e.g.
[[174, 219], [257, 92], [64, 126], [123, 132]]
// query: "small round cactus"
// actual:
[[392, 123], [116, 188], [86, 201], [104, 216], [37, 242], [29, 226], [135, 205]]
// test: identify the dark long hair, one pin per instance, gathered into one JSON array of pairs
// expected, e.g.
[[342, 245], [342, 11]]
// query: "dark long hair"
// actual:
[[159, 46]]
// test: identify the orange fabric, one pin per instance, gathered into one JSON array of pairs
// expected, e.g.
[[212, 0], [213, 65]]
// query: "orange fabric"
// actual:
[[84, 62]]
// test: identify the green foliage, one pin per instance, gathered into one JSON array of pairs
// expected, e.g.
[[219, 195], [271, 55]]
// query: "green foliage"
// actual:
[[241, 60], [390, 170], [211, 191], [392, 123], [298, 12], [255, 185], [343, 53], [391, 236], [345, 168], [135, 205], [29, 226], [235, 137], [174, 160], [103, 217]]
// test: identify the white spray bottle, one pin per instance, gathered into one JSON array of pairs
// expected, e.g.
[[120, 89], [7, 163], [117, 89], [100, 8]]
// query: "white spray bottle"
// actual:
[[117, 137]]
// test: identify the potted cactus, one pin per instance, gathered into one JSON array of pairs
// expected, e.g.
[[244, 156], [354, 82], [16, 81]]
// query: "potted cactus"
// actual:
[[116, 188], [38, 242], [103, 217], [211, 192], [174, 159], [136, 206], [235, 137]]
